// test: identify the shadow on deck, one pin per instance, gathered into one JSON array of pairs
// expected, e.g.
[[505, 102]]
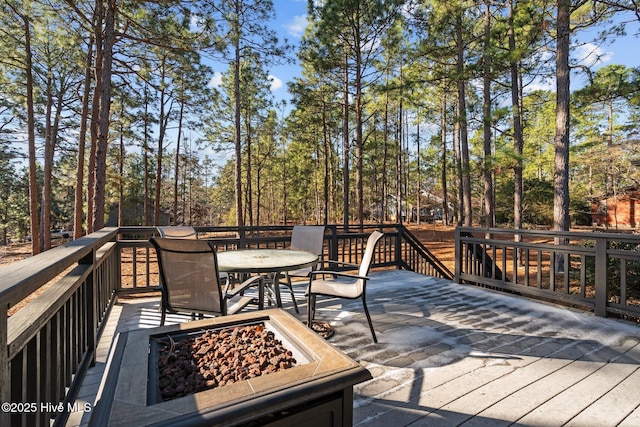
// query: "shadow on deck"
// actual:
[[451, 355]]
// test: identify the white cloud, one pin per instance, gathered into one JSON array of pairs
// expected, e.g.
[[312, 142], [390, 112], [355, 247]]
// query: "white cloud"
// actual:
[[216, 80], [276, 83], [195, 24], [297, 25], [589, 54]]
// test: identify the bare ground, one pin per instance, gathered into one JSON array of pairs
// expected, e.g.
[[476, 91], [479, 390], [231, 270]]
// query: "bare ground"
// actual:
[[439, 239]]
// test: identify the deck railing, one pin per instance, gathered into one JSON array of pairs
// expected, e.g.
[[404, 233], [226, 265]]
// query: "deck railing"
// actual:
[[66, 293], [595, 271]]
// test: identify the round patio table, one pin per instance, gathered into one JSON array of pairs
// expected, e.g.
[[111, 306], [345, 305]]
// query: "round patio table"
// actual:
[[265, 261]]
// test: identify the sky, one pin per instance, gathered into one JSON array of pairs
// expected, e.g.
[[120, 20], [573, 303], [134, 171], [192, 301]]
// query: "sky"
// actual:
[[289, 24], [291, 21]]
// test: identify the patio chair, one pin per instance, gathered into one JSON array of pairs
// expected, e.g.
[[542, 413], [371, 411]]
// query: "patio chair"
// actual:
[[191, 283], [356, 288], [308, 238], [187, 232], [178, 232]]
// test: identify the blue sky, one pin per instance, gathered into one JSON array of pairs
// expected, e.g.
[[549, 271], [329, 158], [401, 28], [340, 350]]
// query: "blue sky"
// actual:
[[291, 21], [290, 24]]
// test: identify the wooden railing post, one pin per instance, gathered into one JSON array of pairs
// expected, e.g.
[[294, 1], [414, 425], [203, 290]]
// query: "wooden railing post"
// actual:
[[5, 373], [458, 256], [398, 251], [92, 302], [242, 237], [601, 277], [333, 243]]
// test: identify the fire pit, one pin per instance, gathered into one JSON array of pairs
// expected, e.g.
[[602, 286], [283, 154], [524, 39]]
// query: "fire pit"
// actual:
[[249, 369], [185, 363]]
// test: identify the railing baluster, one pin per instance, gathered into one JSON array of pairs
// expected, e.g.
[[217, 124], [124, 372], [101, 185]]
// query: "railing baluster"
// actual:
[[623, 281]]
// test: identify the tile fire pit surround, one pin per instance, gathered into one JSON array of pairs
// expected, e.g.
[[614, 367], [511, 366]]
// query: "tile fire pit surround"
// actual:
[[317, 391]]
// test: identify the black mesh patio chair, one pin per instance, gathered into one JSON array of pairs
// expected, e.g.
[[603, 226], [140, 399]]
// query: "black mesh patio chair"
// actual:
[[178, 232], [191, 283], [308, 238], [187, 232], [353, 289]]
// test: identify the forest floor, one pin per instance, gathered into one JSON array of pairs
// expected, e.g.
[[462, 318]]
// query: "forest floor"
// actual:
[[13, 253], [439, 239]]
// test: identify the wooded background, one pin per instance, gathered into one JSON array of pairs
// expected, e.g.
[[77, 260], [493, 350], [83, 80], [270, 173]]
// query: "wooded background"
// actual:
[[405, 110]]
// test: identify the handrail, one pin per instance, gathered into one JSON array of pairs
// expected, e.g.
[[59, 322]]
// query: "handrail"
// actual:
[[595, 271], [21, 279], [438, 268], [51, 341]]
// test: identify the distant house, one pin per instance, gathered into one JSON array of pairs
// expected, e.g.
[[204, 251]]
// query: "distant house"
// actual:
[[621, 210], [133, 213], [431, 209]]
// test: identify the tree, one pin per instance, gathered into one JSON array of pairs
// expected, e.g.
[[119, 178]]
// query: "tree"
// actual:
[[103, 116], [358, 28], [243, 32], [570, 17], [21, 42], [59, 74], [561, 140]]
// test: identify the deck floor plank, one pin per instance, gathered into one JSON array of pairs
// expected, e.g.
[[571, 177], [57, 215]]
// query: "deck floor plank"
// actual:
[[455, 355]]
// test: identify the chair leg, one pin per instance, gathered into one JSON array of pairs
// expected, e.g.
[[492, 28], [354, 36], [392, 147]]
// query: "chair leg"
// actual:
[[366, 312], [293, 297], [311, 308], [162, 316]]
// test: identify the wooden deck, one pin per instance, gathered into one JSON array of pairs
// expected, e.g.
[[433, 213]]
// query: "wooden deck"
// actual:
[[451, 355]]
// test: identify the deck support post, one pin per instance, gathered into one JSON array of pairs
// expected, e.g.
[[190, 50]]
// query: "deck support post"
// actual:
[[601, 277]]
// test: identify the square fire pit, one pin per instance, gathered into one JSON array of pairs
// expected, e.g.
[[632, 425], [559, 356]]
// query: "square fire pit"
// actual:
[[315, 390]]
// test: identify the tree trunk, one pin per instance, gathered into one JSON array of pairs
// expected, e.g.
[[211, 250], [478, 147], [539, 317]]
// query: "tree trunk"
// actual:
[[518, 140], [458, 166], [164, 122], [45, 198], [327, 153], [236, 99], [95, 115], [359, 135], [487, 121], [121, 157], [78, 212], [145, 159], [345, 144], [418, 178], [176, 171], [385, 155], [399, 170], [443, 160], [33, 178], [249, 192], [467, 215], [103, 130], [561, 141]]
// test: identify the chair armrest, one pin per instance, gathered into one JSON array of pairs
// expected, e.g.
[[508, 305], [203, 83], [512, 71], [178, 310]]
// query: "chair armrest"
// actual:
[[252, 281], [347, 264], [337, 273]]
